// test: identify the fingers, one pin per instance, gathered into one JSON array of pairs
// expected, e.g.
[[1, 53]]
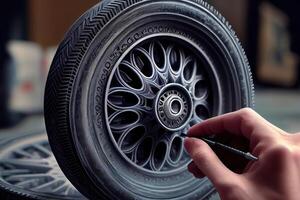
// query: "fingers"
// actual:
[[244, 122], [192, 167], [207, 161]]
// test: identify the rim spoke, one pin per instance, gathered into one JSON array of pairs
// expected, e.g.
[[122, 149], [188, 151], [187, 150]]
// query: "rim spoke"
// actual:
[[61, 188], [159, 56], [142, 62], [176, 150], [159, 155], [143, 152], [199, 88], [156, 94], [27, 183], [131, 138], [26, 176], [68, 190], [121, 120], [9, 172], [23, 153], [189, 71], [46, 187], [201, 111], [123, 99], [175, 58], [42, 149], [32, 166], [128, 76]]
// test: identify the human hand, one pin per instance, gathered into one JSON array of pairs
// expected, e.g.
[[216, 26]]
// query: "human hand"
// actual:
[[276, 175]]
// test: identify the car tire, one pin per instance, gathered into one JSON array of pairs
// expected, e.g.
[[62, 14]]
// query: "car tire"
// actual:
[[130, 77]]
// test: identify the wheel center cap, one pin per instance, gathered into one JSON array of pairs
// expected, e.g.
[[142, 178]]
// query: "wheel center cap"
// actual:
[[176, 106], [173, 107]]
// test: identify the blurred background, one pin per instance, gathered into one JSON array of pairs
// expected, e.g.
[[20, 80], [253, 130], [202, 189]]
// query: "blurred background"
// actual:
[[31, 31]]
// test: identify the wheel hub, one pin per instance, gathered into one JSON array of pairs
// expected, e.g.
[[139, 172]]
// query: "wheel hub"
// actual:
[[173, 107]]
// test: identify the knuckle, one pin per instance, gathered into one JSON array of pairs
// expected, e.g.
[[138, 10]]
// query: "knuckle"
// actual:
[[280, 151], [247, 111], [247, 119], [296, 155], [262, 146], [295, 148], [230, 190], [295, 138], [200, 155], [246, 114]]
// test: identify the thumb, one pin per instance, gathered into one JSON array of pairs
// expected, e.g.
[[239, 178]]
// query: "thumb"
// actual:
[[207, 161]]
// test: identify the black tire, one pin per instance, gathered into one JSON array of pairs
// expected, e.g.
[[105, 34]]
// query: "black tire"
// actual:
[[86, 70], [28, 170]]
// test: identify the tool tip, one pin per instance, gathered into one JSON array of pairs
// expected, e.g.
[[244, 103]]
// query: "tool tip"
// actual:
[[249, 156]]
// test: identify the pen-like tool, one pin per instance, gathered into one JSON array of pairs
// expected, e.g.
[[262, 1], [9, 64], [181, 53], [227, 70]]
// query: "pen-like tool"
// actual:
[[247, 155]]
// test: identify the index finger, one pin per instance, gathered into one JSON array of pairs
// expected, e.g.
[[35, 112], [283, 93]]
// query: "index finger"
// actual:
[[244, 122]]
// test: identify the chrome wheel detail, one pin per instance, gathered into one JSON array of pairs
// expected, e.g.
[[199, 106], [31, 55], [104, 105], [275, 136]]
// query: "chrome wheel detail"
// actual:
[[157, 91], [173, 107]]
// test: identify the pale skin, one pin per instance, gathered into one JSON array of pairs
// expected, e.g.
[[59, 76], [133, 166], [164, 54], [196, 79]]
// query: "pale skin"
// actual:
[[276, 175]]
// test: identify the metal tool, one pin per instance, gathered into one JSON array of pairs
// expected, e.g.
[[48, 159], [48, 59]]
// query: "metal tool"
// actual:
[[247, 155]]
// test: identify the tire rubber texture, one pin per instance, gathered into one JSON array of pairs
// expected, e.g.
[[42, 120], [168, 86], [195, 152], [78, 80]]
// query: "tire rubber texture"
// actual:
[[75, 90]]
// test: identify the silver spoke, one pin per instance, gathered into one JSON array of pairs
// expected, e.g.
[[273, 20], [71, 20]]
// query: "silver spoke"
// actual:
[[121, 120], [22, 153], [202, 110], [131, 138], [141, 60], [159, 155], [176, 150], [189, 72], [26, 176], [143, 152], [42, 149], [175, 58], [157, 92], [13, 171], [31, 166], [47, 186], [123, 99], [61, 188], [199, 88], [27, 183]]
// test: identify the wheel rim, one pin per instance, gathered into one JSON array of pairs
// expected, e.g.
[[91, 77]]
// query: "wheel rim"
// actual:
[[30, 166], [159, 89]]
